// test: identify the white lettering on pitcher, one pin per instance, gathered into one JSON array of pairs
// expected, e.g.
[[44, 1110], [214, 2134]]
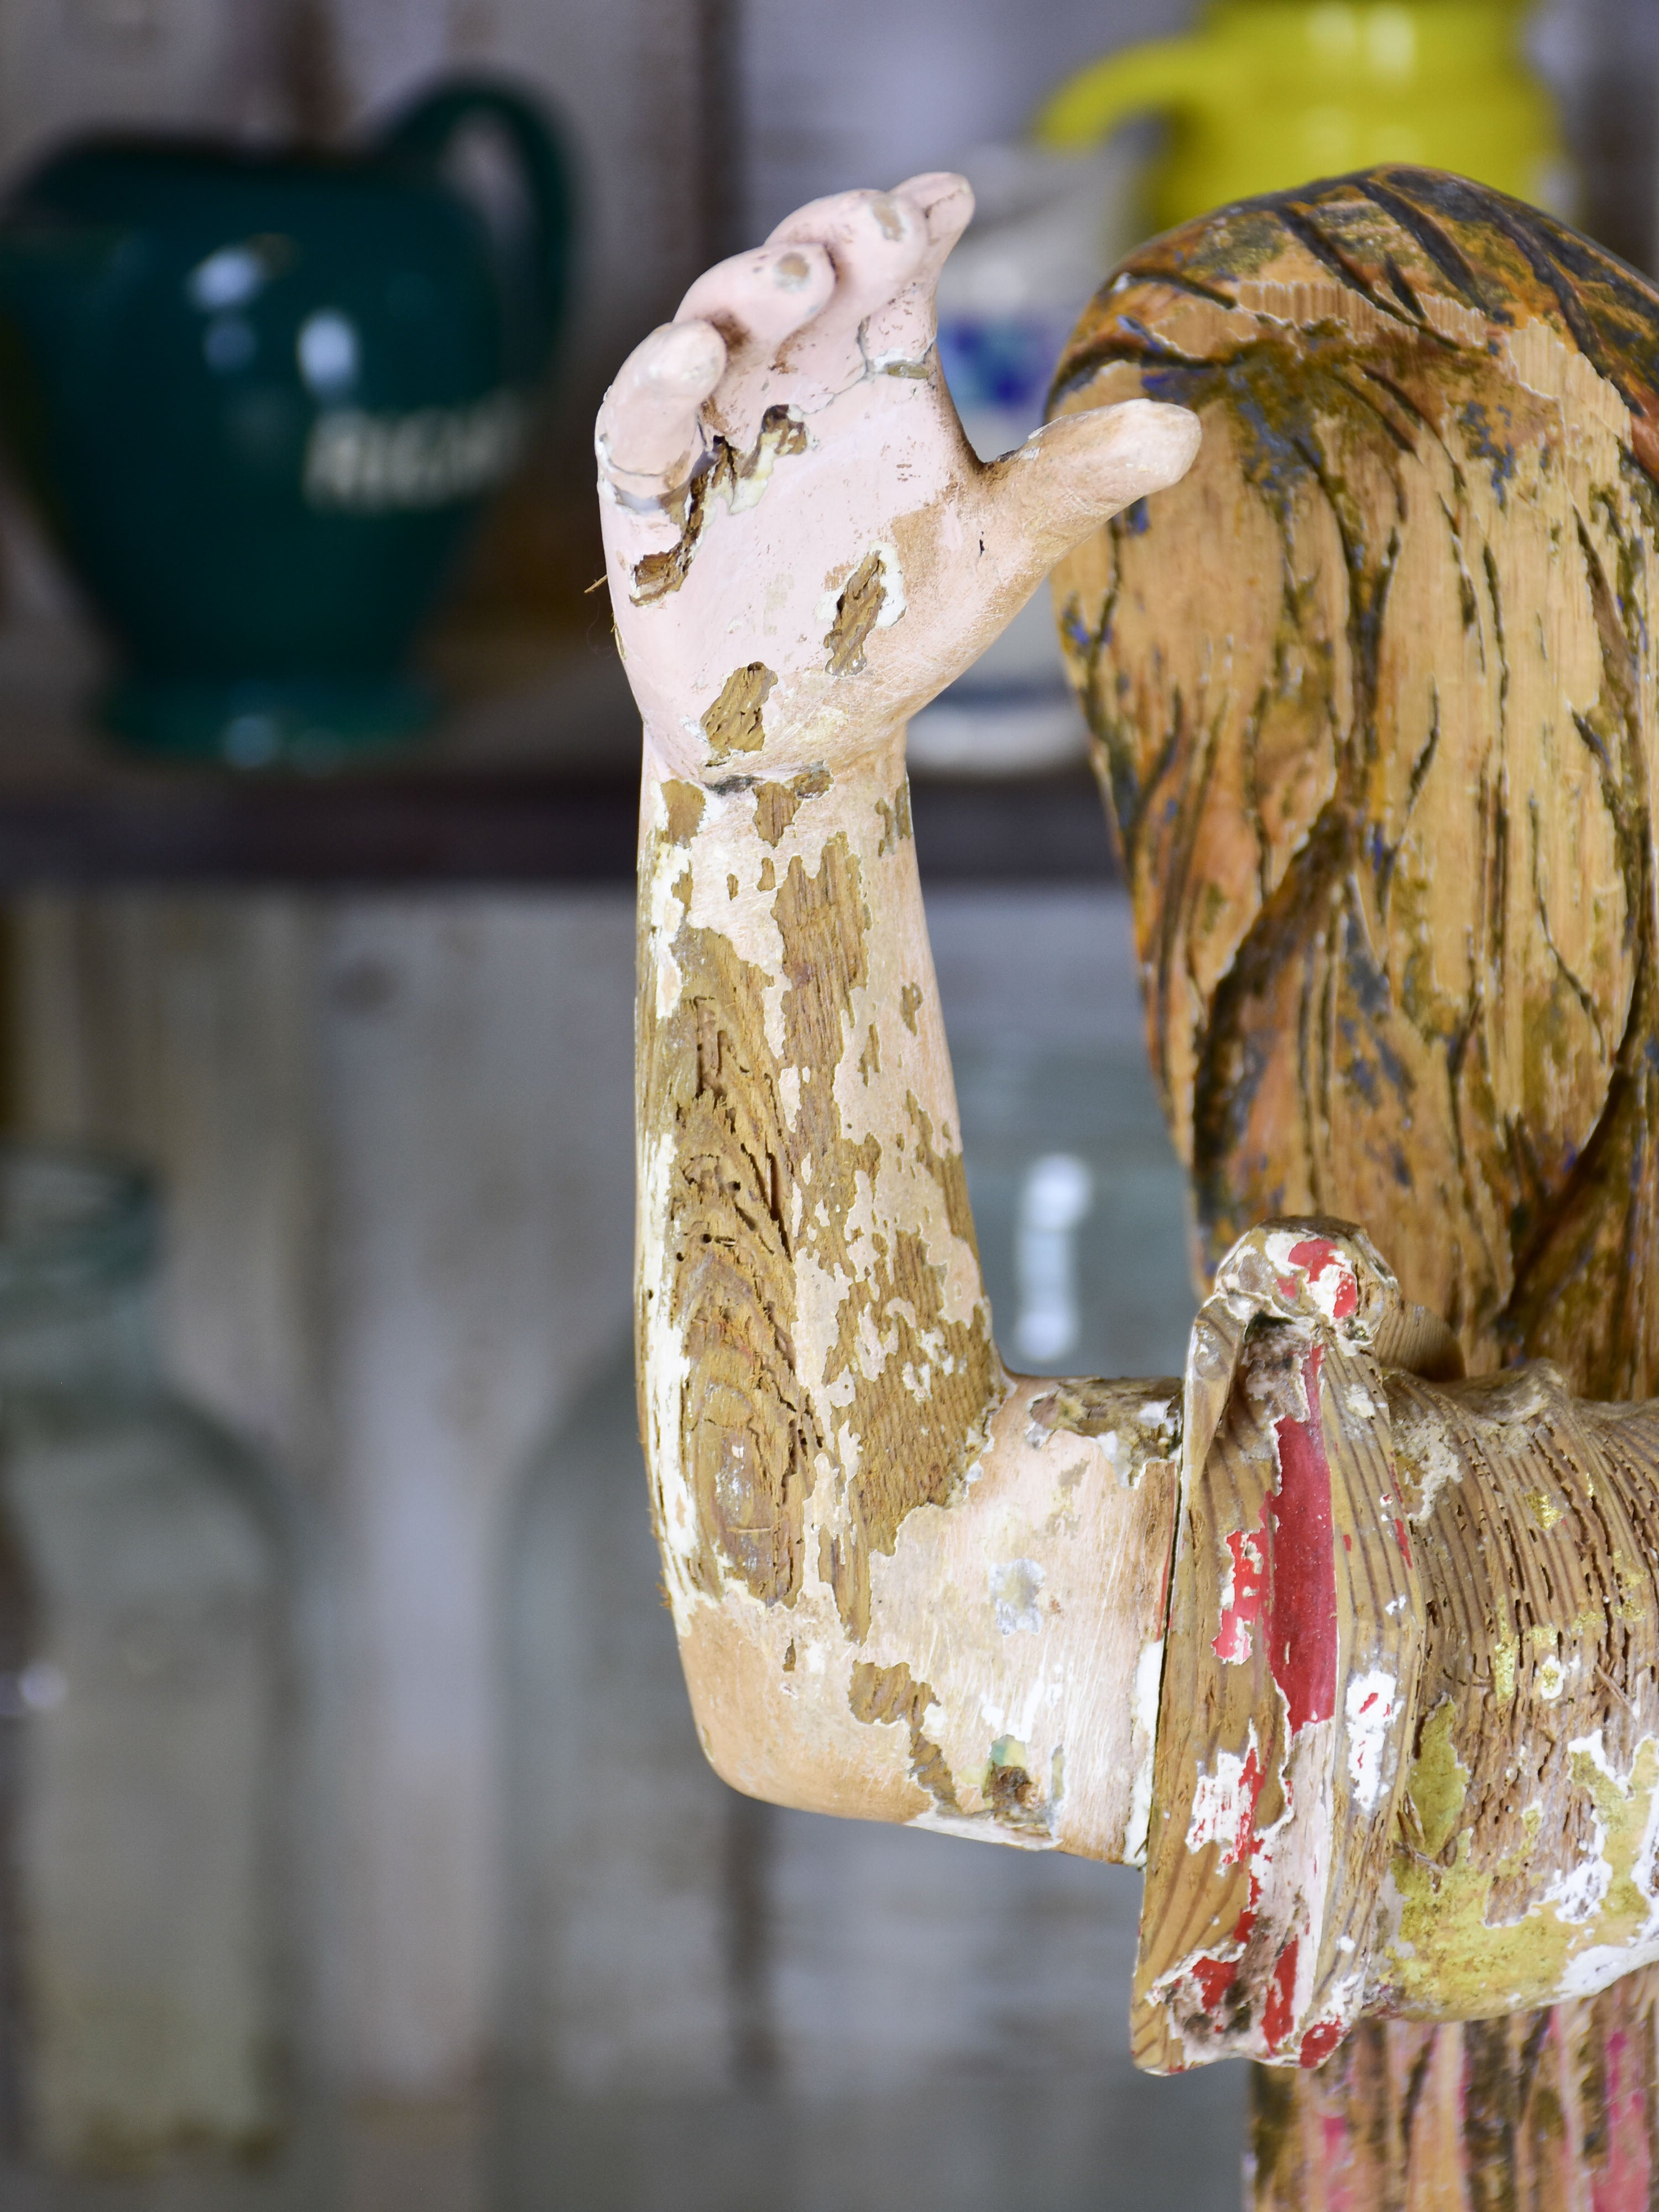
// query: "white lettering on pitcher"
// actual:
[[374, 464]]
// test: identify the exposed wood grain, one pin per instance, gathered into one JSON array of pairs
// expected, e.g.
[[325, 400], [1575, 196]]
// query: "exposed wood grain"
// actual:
[[1375, 697]]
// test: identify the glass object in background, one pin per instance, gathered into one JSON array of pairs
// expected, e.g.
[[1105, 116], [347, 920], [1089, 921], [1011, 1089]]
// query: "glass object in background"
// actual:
[[718, 2006], [152, 1782], [1046, 229], [1269, 93], [1080, 1205]]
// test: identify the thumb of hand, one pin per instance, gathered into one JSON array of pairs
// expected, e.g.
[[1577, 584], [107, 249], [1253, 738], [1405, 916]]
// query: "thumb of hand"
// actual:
[[1077, 472]]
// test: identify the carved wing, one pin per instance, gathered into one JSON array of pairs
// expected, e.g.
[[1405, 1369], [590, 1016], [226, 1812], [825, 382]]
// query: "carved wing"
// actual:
[[1374, 698]]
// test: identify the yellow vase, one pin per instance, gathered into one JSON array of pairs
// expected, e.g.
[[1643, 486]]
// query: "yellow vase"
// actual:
[[1268, 94]]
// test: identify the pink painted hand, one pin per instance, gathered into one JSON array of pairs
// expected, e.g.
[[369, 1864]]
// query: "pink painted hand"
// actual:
[[803, 548]]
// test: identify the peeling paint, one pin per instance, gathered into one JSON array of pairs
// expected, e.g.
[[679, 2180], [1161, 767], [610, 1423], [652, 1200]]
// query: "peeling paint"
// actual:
[[733, 723]]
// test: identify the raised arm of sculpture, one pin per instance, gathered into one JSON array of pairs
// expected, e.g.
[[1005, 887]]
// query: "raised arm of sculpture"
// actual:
[[1363, 1659], [803, 549]]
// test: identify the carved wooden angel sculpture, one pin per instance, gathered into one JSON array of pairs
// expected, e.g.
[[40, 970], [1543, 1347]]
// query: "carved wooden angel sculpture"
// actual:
[[1357, 1655]]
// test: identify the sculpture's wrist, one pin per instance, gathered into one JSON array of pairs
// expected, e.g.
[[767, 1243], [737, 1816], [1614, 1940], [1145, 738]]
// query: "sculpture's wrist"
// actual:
[[856, 749]]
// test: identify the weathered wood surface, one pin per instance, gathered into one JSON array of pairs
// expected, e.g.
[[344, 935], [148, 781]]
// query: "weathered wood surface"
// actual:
[[1374, 692]]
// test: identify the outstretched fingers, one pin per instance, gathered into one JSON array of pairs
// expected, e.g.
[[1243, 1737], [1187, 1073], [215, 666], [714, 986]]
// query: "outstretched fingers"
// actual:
[[903, 326], [755, 300], [649, 434], [887, 249], [713, 364], [844, 278]]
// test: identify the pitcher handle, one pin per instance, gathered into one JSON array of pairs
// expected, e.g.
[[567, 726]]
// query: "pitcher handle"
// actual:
[[420, 134], [1163, 76]]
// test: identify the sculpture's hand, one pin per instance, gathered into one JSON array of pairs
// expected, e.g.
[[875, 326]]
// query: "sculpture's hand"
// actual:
[[803, 549]]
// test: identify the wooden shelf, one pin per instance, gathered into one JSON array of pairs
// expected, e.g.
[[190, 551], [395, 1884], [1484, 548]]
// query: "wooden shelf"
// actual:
[[536, 785]]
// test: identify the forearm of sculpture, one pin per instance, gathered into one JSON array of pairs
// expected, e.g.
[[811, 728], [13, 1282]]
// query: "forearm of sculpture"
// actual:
[[906, 1585]]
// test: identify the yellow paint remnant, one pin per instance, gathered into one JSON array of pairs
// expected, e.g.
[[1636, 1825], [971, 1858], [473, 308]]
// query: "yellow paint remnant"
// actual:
[[1449, 1960], [732, 724], [683, 803], [1439, 1781], [876, 1694], [858, 612]]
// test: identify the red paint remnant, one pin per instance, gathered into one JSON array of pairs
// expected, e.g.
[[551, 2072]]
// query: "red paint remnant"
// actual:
[[1334, 2129], [1348, 1541], [1319, 2042], [1314, 1254], [1242, 1606], [1623, 2183], [1278, 2015], [1402, 1537], [1214, 1977], [1302, 1623], [1223, 1808], [1251, 1775], [1289, 1289]]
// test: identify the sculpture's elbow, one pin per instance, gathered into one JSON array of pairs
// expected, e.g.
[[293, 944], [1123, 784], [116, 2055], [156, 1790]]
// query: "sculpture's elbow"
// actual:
[[770, 1698]]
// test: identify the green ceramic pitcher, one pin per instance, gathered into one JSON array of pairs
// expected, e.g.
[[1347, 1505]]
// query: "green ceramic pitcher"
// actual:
[[1268, 94], [260, 397]]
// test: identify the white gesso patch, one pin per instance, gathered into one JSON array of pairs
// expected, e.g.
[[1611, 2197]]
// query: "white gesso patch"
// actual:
[[1149, 1676], [1579, 1893], [1014, 1591], [1420, 1439], [746, 492], [1223, 1803], [1163, 1416], [1368, 1710], [1590, 1972], [1120, 1457], [1326, 1280], [894, 603]]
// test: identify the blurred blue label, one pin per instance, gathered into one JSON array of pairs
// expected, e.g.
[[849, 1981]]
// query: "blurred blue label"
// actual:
[[1003, 361]]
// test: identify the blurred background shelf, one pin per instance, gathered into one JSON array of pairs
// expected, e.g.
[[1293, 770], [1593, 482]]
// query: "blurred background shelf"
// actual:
[[534, 785]]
